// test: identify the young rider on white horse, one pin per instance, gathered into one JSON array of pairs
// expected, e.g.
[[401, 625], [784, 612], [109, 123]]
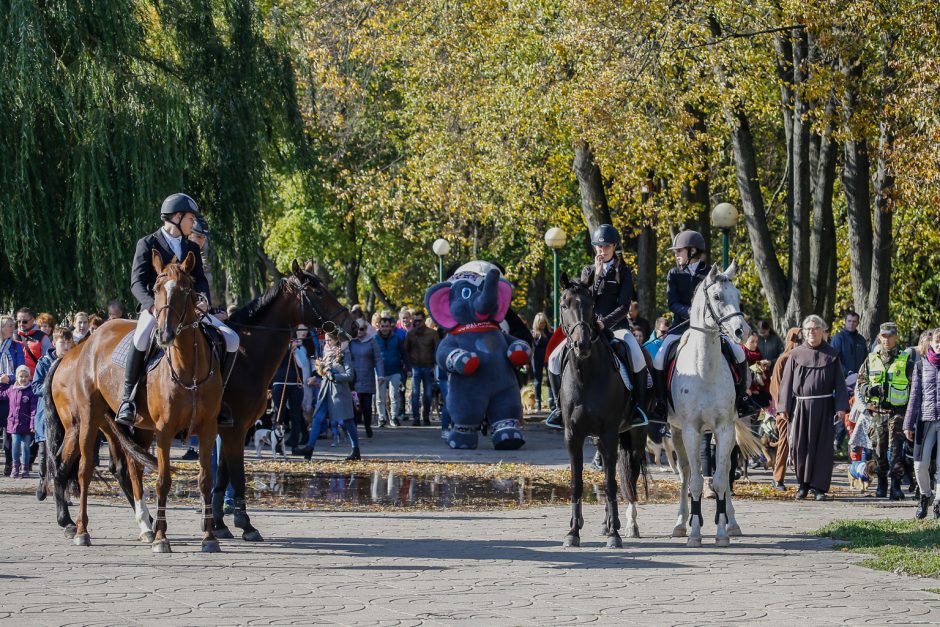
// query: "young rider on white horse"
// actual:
[[689, 248], [610, 281]]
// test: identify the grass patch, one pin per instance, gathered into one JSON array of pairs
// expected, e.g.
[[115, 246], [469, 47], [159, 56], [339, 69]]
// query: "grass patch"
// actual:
[[910, 547]]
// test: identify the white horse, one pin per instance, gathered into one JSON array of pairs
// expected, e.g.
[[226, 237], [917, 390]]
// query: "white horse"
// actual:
[[703, 401]]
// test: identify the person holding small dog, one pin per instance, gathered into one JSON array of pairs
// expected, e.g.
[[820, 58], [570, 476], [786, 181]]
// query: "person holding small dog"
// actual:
[[922, 422], [884, 383]]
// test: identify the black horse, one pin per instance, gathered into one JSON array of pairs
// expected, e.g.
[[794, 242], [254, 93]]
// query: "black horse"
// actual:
[[595, 402]]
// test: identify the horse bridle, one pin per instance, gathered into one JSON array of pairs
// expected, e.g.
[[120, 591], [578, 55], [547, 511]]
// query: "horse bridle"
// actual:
[[174, 376], [710, 310], [328, 324], [590, 326]]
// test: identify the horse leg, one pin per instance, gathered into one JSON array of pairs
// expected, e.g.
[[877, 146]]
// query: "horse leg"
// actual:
[[724, 436], [209, 542], [218, 494], [141, 512], [608, 445], [633, 454], [235, 459], [691, 439], [680, 530], [575, 444], [160, 542], [68, 456], [88, 437]]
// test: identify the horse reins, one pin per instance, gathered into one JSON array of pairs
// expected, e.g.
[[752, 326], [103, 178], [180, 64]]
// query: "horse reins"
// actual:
[[710, 310]]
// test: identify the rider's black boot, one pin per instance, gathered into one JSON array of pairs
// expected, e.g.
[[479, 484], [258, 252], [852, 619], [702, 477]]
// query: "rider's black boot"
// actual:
[[640, 379], [554, 419], [745, 404], [127, 411], [659, 412], [225, 368]]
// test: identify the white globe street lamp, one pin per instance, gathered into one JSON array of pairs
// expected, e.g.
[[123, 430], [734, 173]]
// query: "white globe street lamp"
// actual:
[[724, 217], [555, 238], [440, 247]]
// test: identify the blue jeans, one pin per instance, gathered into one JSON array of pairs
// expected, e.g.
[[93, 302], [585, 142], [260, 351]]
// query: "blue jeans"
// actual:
[[216, 451], [21, 448], [317, 426], [444, 384], [421, 377]]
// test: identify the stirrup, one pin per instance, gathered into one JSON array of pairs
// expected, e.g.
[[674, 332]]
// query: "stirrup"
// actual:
[[127, 413], [640, 420], [554, 420]]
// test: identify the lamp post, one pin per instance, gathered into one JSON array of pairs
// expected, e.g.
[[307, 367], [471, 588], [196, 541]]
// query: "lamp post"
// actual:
[[555, 238], [440, 247], [724, 217]]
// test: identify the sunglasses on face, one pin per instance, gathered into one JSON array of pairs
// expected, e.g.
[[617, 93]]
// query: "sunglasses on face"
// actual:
[[21, 321]]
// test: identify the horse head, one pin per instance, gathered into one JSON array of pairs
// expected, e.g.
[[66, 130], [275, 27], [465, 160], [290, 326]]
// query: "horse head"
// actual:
[[576, 311], [316, 305], [174, 302], [717, 304]]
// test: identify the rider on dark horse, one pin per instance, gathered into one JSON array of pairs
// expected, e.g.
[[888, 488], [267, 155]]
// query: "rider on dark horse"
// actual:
[[179, 213], [610, 281], [691, 268]]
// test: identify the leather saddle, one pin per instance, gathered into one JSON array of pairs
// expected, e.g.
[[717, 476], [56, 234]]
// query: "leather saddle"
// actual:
[[672, 355], [155, 354]]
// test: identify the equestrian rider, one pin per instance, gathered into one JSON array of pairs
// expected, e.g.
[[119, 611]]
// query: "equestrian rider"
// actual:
[[610, 282], [179, 213], [691, 269]]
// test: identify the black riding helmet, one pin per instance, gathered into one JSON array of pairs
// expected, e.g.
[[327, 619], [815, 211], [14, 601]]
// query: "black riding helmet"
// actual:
[[178, 203], [605, 234]]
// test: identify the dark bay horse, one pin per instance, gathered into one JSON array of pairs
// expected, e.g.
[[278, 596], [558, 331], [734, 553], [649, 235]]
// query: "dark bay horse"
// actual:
[[183, 392], [594, 401], [265, 327]]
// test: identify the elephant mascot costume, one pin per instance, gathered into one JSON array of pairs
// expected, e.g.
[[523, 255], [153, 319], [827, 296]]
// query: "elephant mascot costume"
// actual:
[[479, 357]]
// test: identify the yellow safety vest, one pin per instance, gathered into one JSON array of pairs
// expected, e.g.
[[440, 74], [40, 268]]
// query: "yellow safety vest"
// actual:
[[893, 378]]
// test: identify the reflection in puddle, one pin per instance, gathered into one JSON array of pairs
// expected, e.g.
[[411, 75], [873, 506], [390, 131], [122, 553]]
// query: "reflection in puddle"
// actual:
[[389, 489]]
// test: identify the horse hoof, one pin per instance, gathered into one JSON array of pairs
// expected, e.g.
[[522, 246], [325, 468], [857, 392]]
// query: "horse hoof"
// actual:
[[679, 531], [82, 539], [146, 537], [722, 541], [694, 543], [614, 542], [252, 536], [211, 546], [69, 531], [571, 541], [162, 546], [735, 530], [223, 533]]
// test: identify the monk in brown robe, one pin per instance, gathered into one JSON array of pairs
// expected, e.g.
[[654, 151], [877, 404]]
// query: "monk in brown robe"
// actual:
[[812, 392]]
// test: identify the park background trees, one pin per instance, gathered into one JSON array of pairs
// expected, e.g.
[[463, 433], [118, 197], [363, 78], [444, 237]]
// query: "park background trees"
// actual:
[[357, 132]]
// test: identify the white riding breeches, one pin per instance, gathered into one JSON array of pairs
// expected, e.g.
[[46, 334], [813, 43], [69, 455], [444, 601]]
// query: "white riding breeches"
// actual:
[[669, 340], [147, 323], [637, 360]]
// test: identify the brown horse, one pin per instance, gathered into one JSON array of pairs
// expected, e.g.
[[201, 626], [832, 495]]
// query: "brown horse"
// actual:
[[183, 392]]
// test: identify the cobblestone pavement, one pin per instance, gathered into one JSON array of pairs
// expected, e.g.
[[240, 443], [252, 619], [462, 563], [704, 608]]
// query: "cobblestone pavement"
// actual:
[[415, 568]]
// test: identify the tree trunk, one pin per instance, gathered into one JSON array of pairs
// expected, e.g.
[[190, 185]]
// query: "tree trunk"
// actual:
[[646, 273], [800, 287], [380, 294], [591, 185], [823, 247], [351, 281]]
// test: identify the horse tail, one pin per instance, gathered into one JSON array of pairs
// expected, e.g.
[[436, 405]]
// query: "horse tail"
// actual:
[[631, 464], [55, 431], [749, 443], [121, 439]]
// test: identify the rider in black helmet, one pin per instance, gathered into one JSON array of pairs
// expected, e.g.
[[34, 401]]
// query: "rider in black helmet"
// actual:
[[691, 269], [180, 215]]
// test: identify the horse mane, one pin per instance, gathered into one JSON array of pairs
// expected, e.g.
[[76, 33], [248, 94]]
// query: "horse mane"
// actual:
[[256, 308]]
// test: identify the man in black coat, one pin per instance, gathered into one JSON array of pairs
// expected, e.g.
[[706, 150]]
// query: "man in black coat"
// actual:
[[179, 213]]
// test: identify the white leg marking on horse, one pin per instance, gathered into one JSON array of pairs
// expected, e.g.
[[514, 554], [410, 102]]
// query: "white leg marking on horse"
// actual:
[[142, 514]]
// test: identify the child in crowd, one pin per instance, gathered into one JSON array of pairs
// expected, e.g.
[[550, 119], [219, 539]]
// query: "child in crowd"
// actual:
[[20, 419], [61, 343]]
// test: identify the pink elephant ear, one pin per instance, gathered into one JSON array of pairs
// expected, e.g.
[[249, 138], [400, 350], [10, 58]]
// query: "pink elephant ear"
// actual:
[[437, 300], [504, 298]]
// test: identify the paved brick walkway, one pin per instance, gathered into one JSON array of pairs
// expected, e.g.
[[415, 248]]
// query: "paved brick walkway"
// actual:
[[497, 567], [502, 568]]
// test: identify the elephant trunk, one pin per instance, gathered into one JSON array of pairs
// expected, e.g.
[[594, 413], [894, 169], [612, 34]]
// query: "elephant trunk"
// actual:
[[486, 301]]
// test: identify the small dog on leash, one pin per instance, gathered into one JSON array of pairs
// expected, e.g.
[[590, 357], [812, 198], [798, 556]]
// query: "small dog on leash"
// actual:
[[269, 437], [860, 474]]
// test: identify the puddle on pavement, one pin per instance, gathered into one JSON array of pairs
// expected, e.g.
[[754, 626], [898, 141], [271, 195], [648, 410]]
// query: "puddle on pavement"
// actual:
[[380, 490]]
